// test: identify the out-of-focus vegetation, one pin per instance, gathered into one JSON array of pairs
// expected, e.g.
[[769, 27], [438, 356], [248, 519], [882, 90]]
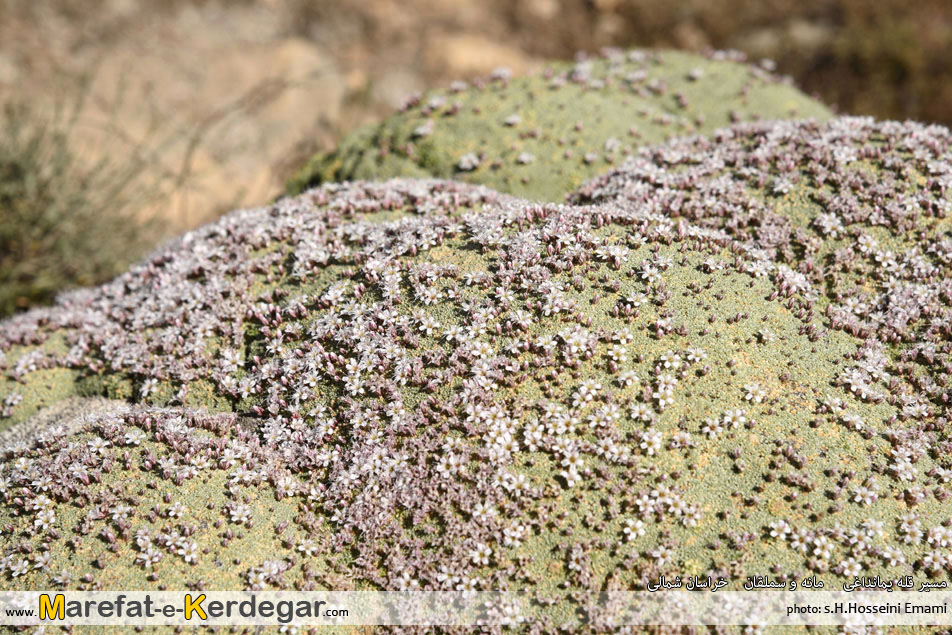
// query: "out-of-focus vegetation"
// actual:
[[64, 222], [887, 58], [352, 63]]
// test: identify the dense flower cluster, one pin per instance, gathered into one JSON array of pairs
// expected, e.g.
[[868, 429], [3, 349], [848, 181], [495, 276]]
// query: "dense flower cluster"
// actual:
[[726, 354], [422, 384], [862, 217]]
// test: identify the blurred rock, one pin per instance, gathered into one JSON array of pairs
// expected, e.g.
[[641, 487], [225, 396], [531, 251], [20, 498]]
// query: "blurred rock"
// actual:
[[809, 36], [543, 9], [688, 35], [214, 96], [466, 54], [395, 87], [9, 72]]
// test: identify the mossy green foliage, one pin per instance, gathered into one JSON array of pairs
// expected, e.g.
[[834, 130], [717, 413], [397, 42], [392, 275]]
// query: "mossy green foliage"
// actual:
[[540, 137]]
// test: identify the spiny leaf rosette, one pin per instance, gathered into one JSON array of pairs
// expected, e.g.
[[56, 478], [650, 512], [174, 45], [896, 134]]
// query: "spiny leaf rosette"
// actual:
[[541, 136], [427, 385]]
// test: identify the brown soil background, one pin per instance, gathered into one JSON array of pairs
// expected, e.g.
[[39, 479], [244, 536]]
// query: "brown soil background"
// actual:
[[227, 99]]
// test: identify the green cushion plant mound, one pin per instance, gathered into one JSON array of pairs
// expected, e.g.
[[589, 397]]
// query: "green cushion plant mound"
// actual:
[[125, 340], [541, 136], [859, 209], [423, 384]]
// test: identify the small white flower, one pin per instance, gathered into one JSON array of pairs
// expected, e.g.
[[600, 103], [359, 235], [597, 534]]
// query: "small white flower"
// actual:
[[662, 555], [712, 427], [641, 412], [20, 567], [734, 418], [850, 567], [98, 445], [695, 355], [134, 436], [865, 494], [176, 510], [240, 514], [468, 162], [525, 158], [633, 529], [754, 393], [308, 547], [651, 442], [779, 528], [481, 554]]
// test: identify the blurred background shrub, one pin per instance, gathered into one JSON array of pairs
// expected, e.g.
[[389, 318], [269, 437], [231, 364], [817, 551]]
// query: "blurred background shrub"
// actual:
[[63, 223]]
